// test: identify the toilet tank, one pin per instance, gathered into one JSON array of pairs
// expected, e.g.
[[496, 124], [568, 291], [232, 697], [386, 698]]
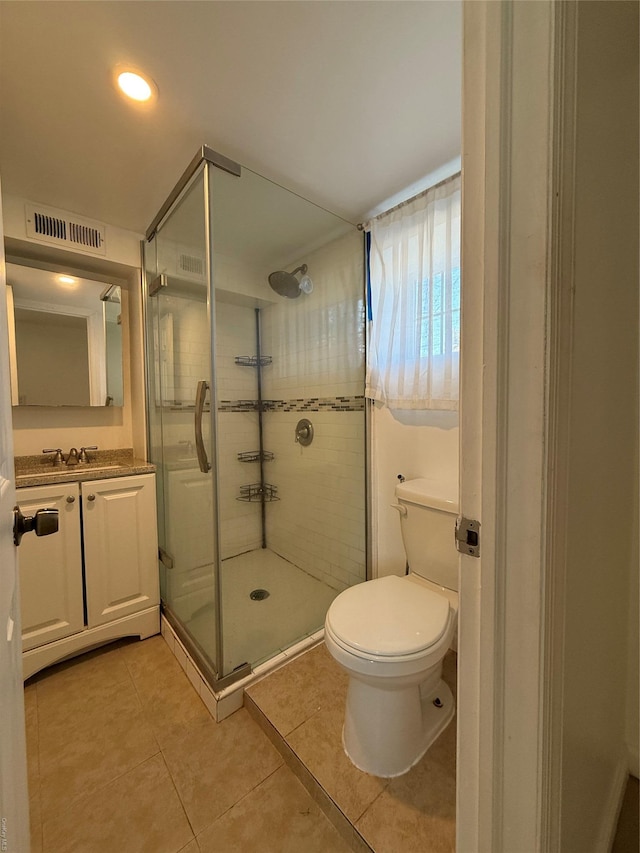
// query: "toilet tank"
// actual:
[[428, 530]]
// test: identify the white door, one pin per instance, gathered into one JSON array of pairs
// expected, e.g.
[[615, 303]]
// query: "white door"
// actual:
[[14, 798], [509, 143]]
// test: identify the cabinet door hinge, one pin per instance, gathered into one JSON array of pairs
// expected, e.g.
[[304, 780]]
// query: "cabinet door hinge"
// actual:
[[468, 536]]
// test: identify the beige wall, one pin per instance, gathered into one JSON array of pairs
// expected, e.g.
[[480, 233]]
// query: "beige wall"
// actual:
[[602, 510], [53, 359], [38, 427]]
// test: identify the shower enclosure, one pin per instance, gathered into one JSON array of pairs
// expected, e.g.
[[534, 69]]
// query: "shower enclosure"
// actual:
[[255, 394]]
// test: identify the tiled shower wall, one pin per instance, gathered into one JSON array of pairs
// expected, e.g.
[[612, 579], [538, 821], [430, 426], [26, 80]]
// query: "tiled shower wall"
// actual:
[[317, 345]]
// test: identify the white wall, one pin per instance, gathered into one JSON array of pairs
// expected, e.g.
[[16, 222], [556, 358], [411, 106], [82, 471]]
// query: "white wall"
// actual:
[[112, 427], [122, 247], [602, 509], [414, 444]]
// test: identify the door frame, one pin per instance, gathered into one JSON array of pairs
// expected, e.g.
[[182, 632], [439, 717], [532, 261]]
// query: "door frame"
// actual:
[[519, 68], [14, 793]]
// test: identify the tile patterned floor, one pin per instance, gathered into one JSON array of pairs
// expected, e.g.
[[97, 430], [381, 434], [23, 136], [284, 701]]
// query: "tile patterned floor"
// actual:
[[302, 707], [124, 756]]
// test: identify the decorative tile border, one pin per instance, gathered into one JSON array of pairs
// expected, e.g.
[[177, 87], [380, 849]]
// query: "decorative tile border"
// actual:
[[301, 404], [238, 405]]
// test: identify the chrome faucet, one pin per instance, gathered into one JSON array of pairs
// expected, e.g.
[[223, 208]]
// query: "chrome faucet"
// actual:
[[58, 459], [83, 458]]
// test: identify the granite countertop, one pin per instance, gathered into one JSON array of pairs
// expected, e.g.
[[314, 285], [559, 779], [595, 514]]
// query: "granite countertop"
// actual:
[[102, 465]]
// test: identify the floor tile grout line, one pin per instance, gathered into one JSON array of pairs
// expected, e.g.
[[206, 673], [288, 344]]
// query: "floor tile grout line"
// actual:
[[182, 805], [371, 804], [101, 787], [299, 725], [243, 797], [161, 747], [139, 710], [144, 709]]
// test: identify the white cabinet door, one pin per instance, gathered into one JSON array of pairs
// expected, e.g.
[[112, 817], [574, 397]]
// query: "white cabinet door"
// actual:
[[51, 568], [120, 547]]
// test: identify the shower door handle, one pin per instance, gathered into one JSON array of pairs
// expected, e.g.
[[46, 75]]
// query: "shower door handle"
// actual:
[[201, 393]]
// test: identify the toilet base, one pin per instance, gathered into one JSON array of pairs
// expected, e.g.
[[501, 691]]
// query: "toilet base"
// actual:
[[386, 732]]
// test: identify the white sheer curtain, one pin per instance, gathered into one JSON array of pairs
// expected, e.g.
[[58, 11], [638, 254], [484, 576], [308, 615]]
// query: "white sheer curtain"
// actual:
[[413, 351]]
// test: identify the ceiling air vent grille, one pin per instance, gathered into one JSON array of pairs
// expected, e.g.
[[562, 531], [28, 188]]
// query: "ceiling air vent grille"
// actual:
[[85, 236], [50, 226], [191, 264], [64, 229]]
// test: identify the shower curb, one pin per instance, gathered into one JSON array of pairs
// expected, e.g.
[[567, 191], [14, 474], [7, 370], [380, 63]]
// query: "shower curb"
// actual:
[[229, 700]]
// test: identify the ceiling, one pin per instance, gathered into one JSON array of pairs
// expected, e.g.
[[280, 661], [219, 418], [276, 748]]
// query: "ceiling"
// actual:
[[347, 103]]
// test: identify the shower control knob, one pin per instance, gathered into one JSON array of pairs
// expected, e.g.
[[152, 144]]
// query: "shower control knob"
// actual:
[[304, 432]]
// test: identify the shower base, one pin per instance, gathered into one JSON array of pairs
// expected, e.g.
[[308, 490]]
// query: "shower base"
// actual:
[[257, 628], [264, 631]]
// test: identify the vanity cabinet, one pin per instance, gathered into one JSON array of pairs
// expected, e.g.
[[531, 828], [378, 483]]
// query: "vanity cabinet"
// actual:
[[120, 546], [97, 578], [52, 602]]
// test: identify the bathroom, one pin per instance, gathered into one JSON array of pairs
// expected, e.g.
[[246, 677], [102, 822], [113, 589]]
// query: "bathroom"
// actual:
[[410, 445]]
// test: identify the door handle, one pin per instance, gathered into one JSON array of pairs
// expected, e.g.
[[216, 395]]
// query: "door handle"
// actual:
[[201, 394], [43, 523]]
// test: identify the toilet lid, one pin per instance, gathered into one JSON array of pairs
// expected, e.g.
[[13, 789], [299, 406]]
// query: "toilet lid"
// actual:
[[389, 616]]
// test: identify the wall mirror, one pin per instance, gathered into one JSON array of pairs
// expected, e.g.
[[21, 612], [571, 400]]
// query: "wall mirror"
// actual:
[[65, 338]]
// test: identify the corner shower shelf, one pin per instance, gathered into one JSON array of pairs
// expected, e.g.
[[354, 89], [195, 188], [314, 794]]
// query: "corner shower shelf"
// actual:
[[256, 492], [252, 360], [255, 456]]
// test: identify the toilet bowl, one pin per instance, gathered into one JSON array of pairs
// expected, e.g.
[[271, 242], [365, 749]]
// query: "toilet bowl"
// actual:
[[390, 635]]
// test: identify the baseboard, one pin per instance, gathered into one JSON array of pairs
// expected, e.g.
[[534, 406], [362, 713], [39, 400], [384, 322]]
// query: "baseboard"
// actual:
[[613, 807]]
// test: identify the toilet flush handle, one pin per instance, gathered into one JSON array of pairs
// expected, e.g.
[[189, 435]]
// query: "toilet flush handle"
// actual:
[[401, 509]]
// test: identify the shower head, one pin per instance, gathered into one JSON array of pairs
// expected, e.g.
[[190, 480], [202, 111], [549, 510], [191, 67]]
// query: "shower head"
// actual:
[[286, 283]]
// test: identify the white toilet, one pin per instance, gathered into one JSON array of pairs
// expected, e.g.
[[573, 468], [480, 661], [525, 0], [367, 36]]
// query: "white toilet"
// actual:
[[391, 635]]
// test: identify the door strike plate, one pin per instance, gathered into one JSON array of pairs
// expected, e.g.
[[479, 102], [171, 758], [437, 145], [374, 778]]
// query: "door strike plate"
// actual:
[[468, 536]]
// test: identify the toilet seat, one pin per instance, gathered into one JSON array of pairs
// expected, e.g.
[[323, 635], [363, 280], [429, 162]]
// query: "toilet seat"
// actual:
[[388, 618]]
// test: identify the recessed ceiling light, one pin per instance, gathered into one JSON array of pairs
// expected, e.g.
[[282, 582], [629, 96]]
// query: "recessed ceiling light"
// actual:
[[134, 85], [67, 281]]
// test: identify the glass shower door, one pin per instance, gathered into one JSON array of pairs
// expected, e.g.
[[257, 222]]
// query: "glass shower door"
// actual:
[[182, 423], [258, 530]]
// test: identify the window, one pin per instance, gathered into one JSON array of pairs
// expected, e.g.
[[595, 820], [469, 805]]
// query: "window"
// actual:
[[414, 281]]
